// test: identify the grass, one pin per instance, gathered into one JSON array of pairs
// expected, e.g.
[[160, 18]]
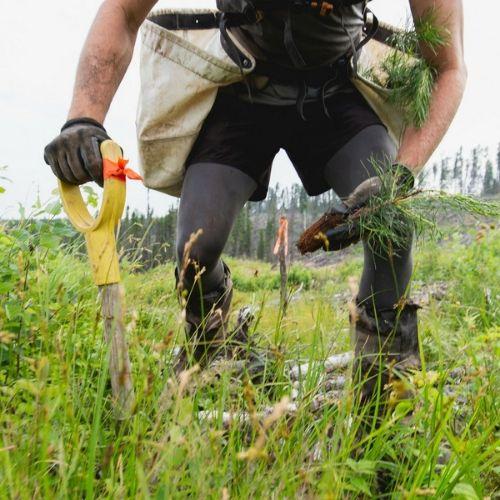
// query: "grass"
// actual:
[[58, 437]]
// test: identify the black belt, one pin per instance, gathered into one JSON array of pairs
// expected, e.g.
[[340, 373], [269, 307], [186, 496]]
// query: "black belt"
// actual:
[[206, 21], [197, 21]]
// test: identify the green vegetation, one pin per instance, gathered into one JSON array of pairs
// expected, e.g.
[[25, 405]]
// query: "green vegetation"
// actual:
[[393, 215], [58, 437], [411, 77]]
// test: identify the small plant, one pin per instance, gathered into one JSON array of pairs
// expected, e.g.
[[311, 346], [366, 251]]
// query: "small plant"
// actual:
[[404, 71], [390, 218]]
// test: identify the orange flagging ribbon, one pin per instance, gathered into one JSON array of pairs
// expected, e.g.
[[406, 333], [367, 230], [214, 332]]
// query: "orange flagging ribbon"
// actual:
[[118, 170], [282, 241]]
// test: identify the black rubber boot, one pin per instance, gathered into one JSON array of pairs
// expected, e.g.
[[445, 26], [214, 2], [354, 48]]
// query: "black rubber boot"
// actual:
[[206, 325], [386, 346]]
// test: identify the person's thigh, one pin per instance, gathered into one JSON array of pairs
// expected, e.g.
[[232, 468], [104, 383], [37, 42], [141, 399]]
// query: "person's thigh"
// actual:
[[385, 278], [229, 164], [212, 196], [242, 135], [360, 158], [344, 143]]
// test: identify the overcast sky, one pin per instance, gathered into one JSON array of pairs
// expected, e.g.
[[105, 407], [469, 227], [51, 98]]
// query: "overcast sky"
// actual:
[[39, 48]]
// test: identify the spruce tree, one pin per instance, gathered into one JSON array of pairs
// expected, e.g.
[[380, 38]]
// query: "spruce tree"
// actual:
[[458, 168], [475, 171], [488, 180], [247, 233], [261, 247], [445, 174], [269, 235], [436, 176]]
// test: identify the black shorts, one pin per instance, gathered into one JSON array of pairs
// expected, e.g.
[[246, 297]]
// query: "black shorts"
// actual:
[[248, 136]]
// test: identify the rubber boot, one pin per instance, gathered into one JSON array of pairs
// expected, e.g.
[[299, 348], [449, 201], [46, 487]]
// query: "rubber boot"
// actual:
[[386, 345], [206, 325]]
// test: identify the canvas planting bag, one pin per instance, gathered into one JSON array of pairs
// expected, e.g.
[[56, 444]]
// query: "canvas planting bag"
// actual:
[[378, 97], [181, 71]]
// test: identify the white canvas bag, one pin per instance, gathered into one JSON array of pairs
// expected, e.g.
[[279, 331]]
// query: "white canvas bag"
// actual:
[[181, 71], [377, 96]]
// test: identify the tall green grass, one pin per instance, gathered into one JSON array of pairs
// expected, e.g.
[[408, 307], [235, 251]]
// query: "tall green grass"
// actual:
[[59, 438]]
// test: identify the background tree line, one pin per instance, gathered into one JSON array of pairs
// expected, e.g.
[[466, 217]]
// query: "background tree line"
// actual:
[[150, 239]]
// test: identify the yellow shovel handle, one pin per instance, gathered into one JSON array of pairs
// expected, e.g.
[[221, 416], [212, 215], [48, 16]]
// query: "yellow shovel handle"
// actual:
[[100, 231]]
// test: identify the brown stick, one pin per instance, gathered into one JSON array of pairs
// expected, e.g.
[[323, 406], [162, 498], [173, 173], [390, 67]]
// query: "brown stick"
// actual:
[[284, 280], [313, 238], [112, 298], [281, 250]]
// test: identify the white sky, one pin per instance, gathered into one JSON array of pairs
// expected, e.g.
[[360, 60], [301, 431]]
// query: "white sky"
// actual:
[[39, 47]]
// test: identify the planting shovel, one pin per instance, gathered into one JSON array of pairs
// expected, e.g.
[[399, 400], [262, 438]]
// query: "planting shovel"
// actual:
[[100, 236]]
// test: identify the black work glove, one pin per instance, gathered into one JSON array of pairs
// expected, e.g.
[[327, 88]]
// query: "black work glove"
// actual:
[[348, 233], [74, 155]]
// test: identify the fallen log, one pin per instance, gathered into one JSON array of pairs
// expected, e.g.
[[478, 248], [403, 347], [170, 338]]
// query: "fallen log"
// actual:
[[336, 362], [227, 418]]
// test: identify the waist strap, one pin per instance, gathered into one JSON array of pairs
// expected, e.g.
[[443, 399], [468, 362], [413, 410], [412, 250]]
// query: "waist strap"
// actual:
[[225, 21], [339, 71], [197, 21], [211, 20]]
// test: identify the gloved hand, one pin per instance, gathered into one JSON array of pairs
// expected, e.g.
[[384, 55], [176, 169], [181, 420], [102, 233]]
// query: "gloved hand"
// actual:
[[74, 155], [348, 233]]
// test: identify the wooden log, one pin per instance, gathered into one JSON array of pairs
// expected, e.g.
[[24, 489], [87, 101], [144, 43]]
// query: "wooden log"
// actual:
[[337, 362], [326, 382], [241, 417], [317, 404], [112, 299]]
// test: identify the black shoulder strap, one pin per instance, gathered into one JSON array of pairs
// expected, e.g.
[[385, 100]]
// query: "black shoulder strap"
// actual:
[[371, 28]]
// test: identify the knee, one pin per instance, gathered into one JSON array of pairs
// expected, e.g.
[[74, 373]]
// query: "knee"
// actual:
[[359, 159], [386, 274], [203, 252], [398, 249]]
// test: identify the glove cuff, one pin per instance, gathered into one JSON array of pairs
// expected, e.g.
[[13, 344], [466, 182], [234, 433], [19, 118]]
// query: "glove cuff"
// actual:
[[404, 175], [84, 120]]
